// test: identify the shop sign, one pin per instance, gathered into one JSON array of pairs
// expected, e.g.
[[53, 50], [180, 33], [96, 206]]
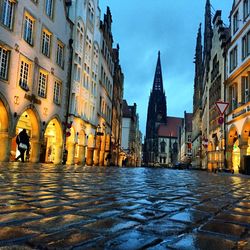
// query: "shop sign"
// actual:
[[241, 112]]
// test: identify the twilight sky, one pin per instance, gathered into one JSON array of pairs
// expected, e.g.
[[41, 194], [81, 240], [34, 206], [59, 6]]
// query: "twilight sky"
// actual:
[[142, 27]]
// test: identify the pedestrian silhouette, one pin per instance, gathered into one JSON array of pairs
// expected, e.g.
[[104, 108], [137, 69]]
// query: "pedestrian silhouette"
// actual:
[[22, 141]]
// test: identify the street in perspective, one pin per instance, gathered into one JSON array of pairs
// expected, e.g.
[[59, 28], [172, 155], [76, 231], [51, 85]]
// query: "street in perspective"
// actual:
[[62, 207], [125, 124]]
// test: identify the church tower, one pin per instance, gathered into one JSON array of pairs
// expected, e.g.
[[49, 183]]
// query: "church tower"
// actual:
[[198, 73], [208, 35], [157, 114]]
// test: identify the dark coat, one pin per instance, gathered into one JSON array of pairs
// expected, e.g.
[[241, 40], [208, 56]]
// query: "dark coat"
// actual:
[[23, 138]]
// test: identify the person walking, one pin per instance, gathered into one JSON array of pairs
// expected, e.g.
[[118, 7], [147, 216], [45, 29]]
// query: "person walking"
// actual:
[[23, 143]]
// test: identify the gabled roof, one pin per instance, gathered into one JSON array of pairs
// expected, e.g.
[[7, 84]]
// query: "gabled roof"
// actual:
[[171, 128]]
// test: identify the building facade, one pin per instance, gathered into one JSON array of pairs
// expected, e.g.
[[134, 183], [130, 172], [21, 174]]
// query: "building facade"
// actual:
[[104, 114], [216, 93], [131, 137], [237, 88], [34, 85], [82, 111], [185, 139], [57, 70], [196, 121], [222, 71], [117, 100]]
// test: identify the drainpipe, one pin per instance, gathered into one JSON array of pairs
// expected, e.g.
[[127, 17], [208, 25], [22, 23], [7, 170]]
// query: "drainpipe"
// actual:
[[69, 80], [224, 124]]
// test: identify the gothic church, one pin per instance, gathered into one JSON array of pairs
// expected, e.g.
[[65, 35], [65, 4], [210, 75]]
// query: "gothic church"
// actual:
[[161, 140]]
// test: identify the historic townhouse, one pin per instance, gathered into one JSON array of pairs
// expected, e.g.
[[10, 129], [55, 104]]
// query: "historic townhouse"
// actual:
[[185, 139], [196, 120], [237, 88], [208, 134], [131, 137], [118, 79], [82, 114], [216, 77], [208, 34], [104, 112], [34, 60]]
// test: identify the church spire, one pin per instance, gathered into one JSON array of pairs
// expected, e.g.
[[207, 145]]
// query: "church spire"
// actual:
[[198, 70], [208, 33], [158, 83]]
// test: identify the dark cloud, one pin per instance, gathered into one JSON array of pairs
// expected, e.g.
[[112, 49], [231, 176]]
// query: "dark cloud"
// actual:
[[142, 27]]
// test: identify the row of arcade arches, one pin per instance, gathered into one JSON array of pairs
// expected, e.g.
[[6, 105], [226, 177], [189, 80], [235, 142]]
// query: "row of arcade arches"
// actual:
[[46, 139]]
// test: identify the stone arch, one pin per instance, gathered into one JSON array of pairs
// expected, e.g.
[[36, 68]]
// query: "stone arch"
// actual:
[[233, 150], [53, 141], [232, 135], [5, 114], [4, 129], [29, 120], [245, 133]]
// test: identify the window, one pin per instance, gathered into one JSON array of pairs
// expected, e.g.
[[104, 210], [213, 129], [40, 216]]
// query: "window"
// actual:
[[24, 74], [163, 147], [57, 92], [233, 58], [49, 8], [246, 8], [42, 84], [233, 96], [7, 13], [28, 33], [235, 21], [79, 37], [46, 41], [60, 54], [4, 60], [245, 84], [246, 45], [91, 12]]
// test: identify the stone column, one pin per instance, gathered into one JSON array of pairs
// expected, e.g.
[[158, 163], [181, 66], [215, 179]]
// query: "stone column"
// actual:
[[81, 156], [229, 154], [89, 160], [101, 154], [71, 153], [96, 156], [5, 148], [35, 151], [58, 154], [243, 152]]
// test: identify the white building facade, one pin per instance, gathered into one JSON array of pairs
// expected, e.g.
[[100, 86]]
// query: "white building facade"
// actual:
[[237, 88], [34, 61]]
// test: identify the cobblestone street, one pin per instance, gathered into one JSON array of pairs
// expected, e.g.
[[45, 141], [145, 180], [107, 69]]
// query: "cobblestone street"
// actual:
[[59, 207]]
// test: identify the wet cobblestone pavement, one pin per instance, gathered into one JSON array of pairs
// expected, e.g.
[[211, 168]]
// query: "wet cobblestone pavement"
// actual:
[[74, 207]]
